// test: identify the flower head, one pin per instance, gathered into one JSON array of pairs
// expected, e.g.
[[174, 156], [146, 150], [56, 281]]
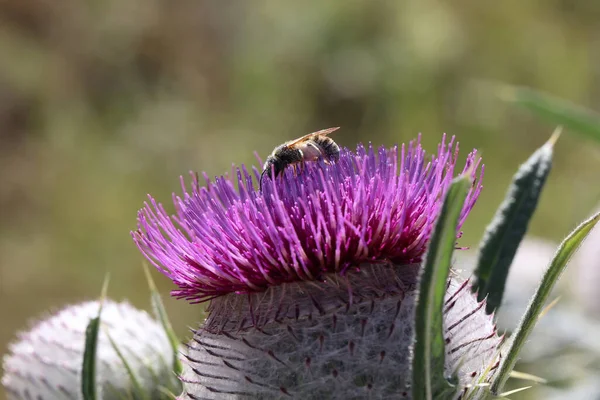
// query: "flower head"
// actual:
[[328, 258], [371, 206]]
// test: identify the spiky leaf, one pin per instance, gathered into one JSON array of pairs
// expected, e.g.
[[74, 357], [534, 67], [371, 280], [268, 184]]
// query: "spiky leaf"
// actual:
[[504, 234]]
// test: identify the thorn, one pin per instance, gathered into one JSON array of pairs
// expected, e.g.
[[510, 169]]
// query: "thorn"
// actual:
[[527, 377], [555, 135], [506, 394], [548, 307]]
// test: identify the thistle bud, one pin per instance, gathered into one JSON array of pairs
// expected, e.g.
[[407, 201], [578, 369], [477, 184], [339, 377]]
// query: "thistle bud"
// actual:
[[343, 338], [46, 361]]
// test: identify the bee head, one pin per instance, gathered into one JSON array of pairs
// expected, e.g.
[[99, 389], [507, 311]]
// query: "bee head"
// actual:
[[281, 157], [274, 164]]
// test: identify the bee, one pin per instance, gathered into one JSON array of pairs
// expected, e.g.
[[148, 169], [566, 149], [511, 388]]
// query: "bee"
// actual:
[[312, 147]]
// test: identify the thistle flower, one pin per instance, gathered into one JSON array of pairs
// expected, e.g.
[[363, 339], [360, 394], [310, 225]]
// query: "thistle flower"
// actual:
[[312, 281], [369, 206], [45, 363]]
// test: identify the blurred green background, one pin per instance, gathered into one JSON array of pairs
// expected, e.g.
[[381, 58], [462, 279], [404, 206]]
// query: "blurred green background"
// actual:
[[102, 102]]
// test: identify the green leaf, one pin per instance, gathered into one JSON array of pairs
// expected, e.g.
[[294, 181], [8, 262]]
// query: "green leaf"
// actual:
[[139, 391], [88, 370], [88, 373], [161, 314], [536, 306], [554, 109], [429, 381], [508, 227]]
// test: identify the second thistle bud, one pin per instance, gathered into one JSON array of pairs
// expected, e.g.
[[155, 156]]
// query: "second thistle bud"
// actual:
[[46, 361]]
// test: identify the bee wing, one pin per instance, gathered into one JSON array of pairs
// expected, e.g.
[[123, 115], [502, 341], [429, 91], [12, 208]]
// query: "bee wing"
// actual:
[[311, 135]]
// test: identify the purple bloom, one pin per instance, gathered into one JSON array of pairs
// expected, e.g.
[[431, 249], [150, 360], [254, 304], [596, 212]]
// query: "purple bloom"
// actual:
[[371, 206]]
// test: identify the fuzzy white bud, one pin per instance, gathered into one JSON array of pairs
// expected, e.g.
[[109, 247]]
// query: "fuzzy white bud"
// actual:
[[46, 361]]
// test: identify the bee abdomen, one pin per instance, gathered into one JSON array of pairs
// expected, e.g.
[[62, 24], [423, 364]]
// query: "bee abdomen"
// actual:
[[330, 148]]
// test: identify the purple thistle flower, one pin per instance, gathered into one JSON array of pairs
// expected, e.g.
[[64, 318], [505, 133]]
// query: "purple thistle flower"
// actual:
[[369, 207], [328, 260]]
